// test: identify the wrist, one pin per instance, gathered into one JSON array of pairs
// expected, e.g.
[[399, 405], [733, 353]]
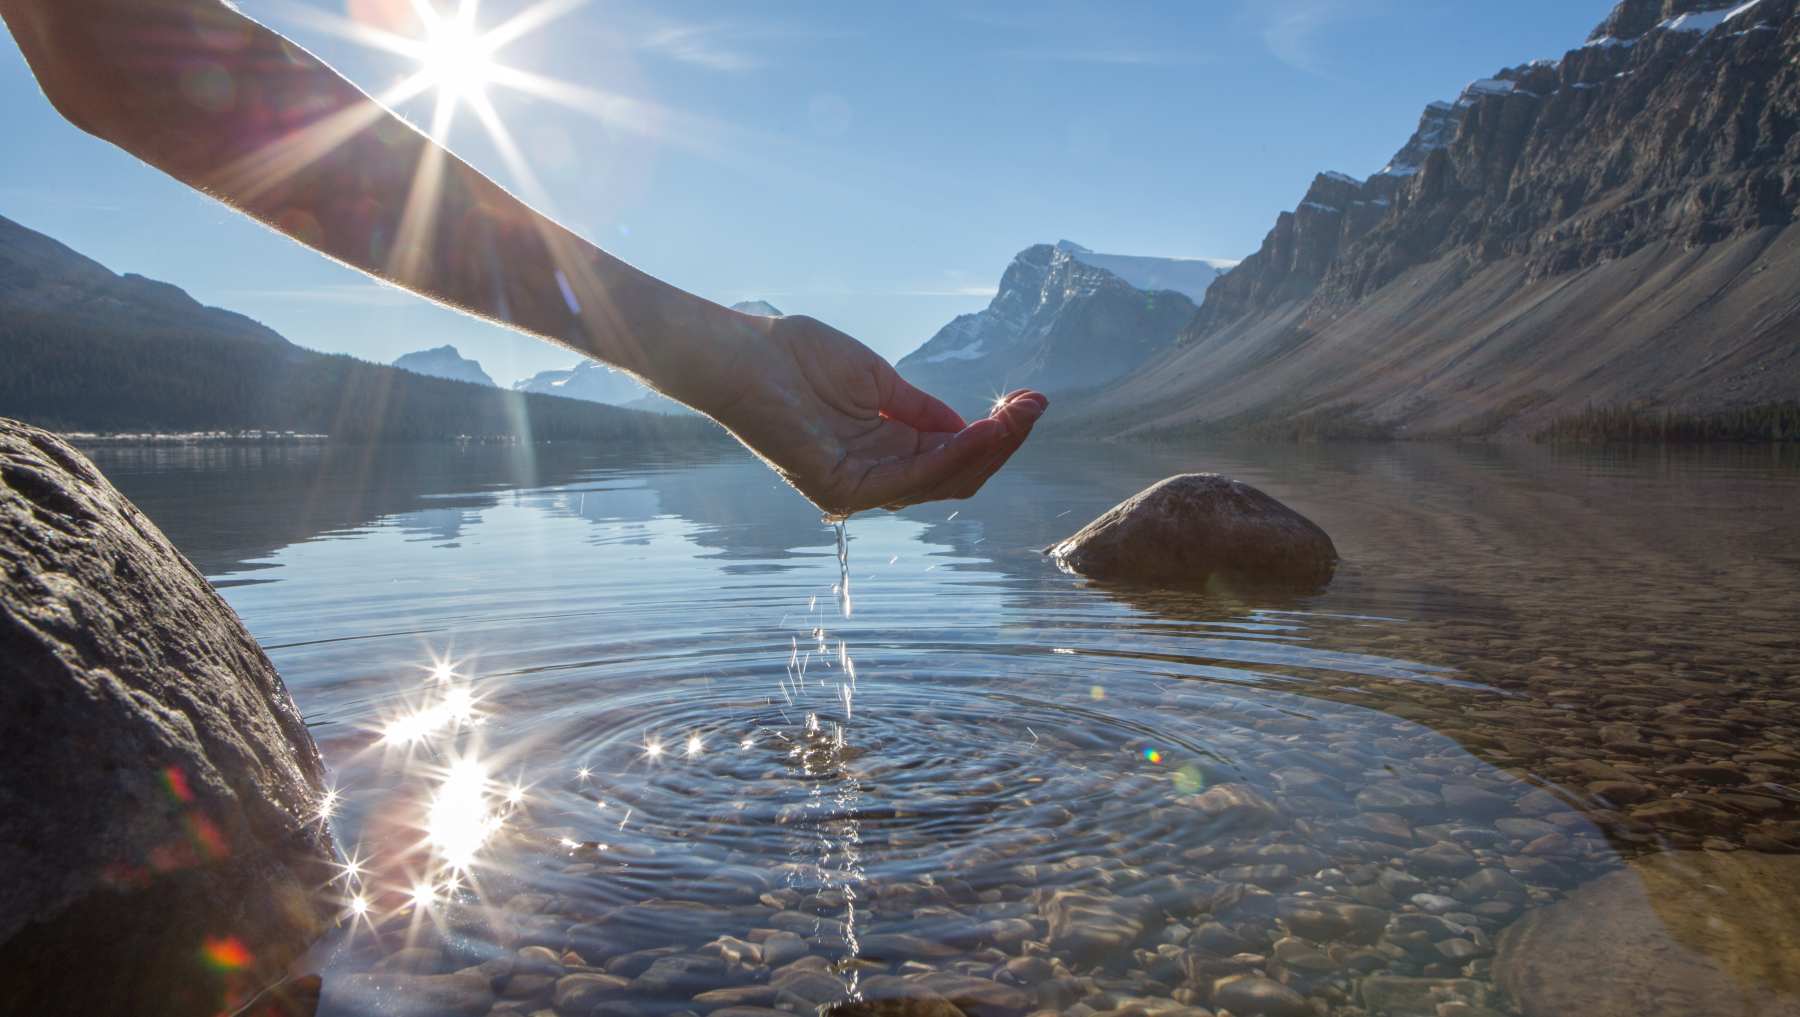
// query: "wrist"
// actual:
[[702, 354]]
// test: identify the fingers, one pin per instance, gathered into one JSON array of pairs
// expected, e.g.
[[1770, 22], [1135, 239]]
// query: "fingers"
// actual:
[[901, 401], [1014, 416], [905, 481], [953, 465], [1018, 412]]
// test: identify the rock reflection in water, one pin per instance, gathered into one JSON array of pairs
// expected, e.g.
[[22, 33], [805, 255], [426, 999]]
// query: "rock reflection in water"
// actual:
[[1529, 670]]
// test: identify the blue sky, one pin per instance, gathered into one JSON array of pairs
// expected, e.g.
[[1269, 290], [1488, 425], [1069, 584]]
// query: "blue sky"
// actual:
[[873, 165]]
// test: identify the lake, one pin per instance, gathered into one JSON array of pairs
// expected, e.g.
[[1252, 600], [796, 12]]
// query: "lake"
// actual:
[[613, 732]]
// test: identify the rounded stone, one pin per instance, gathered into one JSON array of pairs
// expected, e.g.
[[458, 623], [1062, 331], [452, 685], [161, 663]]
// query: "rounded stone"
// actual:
[[1201, 530], [1689, 932], [1256, 996], [579, 993]]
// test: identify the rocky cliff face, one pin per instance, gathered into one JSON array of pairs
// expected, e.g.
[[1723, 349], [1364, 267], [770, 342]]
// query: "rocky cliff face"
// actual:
[[1057, 323], [1667, 126], [1676, 129]]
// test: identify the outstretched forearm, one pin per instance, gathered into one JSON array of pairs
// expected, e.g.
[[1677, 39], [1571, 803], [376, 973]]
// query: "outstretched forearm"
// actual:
[[233, 109]]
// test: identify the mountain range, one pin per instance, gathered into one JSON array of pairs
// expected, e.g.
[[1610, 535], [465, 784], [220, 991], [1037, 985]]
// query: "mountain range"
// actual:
[[444, 362], [88, 350], [1611, 230], [1604, 236]]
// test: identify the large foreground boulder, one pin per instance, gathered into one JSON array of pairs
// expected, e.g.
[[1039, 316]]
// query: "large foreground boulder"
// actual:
[[1680, 934], [160, 798], [1201, 530]]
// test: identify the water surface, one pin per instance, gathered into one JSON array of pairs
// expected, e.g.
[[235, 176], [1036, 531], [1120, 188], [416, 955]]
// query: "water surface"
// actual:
[[621, 706]]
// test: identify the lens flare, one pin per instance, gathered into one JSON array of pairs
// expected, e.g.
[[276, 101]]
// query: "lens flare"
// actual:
[[225, 954], [695, 745]]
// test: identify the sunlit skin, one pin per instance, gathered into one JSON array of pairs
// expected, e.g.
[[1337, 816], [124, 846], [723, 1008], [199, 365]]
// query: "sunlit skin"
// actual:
[[288, 141]]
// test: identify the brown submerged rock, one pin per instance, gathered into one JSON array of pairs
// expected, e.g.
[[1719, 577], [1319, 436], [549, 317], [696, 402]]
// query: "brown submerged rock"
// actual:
[[159, 793], [1682, 934], [1201, 530]]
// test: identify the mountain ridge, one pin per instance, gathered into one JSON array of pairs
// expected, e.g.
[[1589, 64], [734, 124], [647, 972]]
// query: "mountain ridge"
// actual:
[[90, 350], [1607, 228], [444, 362]]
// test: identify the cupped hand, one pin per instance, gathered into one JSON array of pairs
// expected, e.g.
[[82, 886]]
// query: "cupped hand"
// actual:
[[840, 424]]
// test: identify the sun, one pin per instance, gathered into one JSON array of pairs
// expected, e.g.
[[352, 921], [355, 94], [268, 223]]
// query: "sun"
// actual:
[[456, 59]]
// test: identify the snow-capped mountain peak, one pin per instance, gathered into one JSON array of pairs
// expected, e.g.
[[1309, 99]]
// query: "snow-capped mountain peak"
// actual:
[[1187, 276], [1064, 317]]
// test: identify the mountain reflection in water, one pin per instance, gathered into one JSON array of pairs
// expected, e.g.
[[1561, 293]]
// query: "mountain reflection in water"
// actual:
[[640, 752]]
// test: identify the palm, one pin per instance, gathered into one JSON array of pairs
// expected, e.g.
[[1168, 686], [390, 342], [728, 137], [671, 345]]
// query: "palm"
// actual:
[[850, 434]]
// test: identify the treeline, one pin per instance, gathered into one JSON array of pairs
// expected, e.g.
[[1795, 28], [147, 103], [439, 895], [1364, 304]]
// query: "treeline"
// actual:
[[1766, 422], [88, 372]]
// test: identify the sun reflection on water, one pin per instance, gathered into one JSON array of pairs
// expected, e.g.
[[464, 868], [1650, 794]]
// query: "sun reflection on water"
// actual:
[[458, 805], [459, 821]]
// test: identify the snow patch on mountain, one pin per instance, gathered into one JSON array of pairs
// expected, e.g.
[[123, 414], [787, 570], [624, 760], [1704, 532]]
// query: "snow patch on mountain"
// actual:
[[1704, 21], [1187, 276], [589, 380]]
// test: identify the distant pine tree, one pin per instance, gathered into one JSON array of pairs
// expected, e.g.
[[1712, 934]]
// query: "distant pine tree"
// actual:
[[1765, 422]]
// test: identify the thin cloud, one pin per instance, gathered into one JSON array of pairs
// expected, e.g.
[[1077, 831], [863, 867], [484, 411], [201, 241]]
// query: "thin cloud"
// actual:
[[24, 197], [725, 46], [1293, 29], [345, 294], [954, 291], [708, 46], [1125, 57], [846, 291]]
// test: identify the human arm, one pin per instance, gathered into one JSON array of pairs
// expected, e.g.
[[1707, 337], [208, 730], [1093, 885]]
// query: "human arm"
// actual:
[[231, 108]]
